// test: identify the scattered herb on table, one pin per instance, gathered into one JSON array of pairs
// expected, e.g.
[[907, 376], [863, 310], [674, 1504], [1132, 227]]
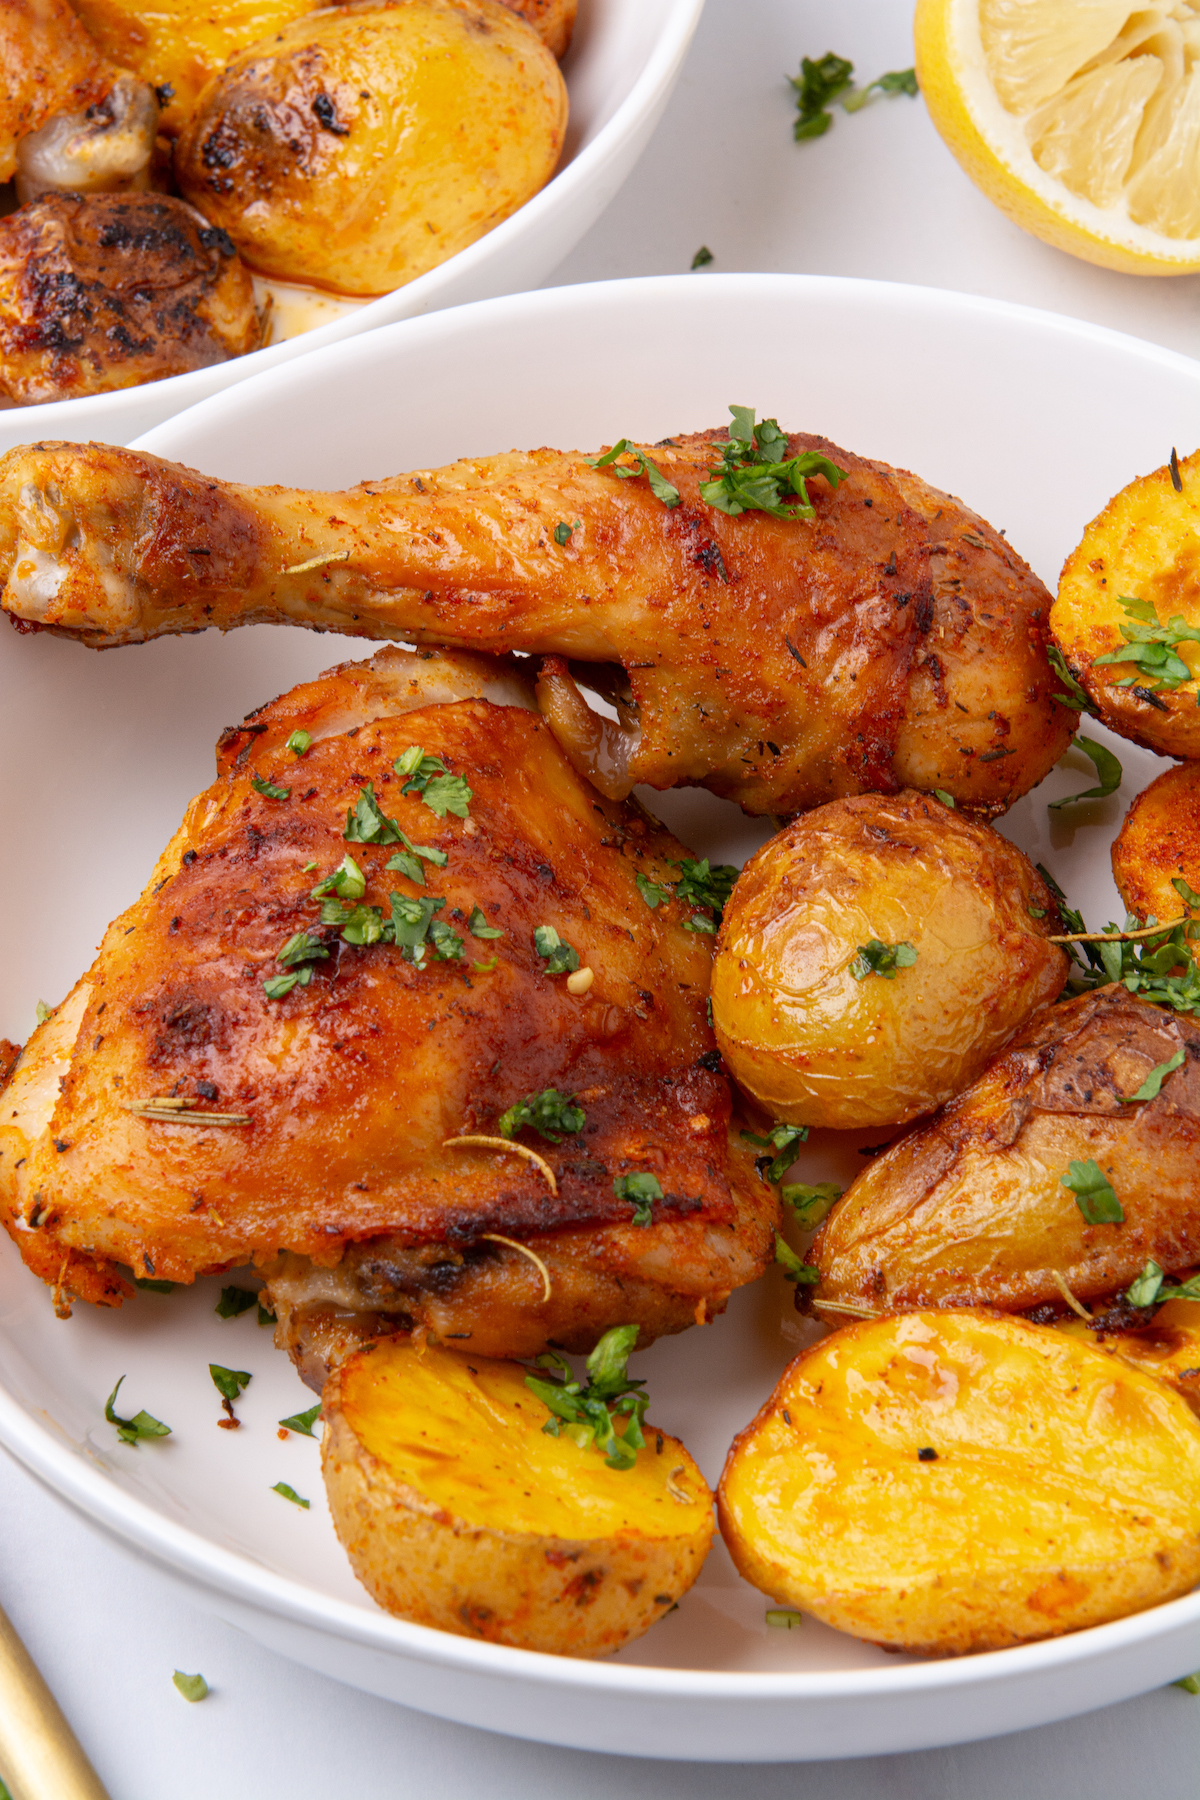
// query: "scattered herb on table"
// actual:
[[134, 1431], [1150, 646], [192, 1687], [303, 1422], [1093, 1193], [756, 474], [660, 487], [551, 1114], [877, 958], [234, 1302], [289, 1493], [587, 1412], [1107, 766], [829, 78], [641, 1189], [270, 788]]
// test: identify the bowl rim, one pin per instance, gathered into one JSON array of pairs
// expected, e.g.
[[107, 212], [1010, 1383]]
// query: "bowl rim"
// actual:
[[421, 295], [77, 1474]]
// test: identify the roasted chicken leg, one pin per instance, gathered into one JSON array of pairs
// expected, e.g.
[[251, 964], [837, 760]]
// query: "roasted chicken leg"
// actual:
[[251, 1072], [892, 640]]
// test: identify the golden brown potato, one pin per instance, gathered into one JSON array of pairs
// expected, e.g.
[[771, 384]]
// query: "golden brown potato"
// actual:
[[818, 1041], [1166, 1345], [1144, 547], [368, 142], [458, 1511], [553, 20], [181, 44], [949, 1482], [106, 291], [970, 1210], [1159, 844]]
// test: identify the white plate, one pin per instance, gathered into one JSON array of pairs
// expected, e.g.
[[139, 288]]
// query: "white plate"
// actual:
[[623, 62], [1033, 419]]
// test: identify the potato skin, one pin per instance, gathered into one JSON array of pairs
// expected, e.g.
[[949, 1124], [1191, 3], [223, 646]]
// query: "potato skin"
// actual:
[[1166, 1345], [969, 1210], [1145, 544], [1159, 841], [1062, 1492], [368, 142], [450, 1501], [817, 1047], [553, 20]]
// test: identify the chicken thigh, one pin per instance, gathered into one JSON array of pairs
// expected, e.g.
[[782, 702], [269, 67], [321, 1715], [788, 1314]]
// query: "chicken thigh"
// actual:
[[302, 1047], [892, 639]]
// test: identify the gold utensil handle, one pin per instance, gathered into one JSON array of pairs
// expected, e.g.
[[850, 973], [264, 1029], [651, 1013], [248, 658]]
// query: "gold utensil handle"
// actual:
[[40, 1757]]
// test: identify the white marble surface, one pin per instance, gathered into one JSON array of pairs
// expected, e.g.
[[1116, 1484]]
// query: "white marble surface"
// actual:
[[877, 197]]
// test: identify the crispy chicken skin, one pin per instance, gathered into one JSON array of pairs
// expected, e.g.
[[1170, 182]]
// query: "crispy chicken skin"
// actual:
[[340, 1183], [105, 291], [48, 64], [894, 640]]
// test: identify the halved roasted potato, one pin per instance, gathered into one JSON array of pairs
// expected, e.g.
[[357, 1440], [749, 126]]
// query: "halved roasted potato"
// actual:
[[362, 145], [1127, 616], [972, 1209], [1159, 844], [458, 1511], [1165, 1344], [950, 1482], [874, 956]]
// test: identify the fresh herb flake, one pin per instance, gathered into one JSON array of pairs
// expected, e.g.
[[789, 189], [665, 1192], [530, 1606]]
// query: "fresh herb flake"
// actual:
[[782, 1618], [234, 1302], [560, 958], [877, 958], [229, 1383], [896, 81], [367, 823], [1093, 1193], [641, 1190], [751, 476], [660, 487], [270, 788], [650, 891], [134, 1431], [289, 1493], [303, 1422], [587, 1413], [478, 926], [783, 1139], [702, 257], [445, 940], [809, 1205], [1144, 1288], [299, 743], [1107, 767], [42, 1012], [410, 922], [192, 1687], [818, 84], [154, 1287], [794, 1267], [1152, 1086], [945, 798], [1189, 1683], [1150, 646], [347, 881], [1076, 697], [563, 531], [551, 1114], [429, 778]]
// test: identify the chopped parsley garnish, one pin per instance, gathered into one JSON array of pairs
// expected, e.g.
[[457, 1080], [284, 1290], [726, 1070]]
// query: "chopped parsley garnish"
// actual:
[[945, 798], [809, 1205], [794, 1267], [142, 1425], [586, 1413], [651, 893], [445, 940], [303, 1422], [229, 1383], [783, 1618], [366, 823], [877, 958], [783, 1139], [42, 1012], [270, 788], [1186, 892], [549, 1113], [265, 1317], [478, 926], [641, 1190], [705, 886], [660, 487], [1107, 766], [562, 531], [289, 1493], [357, 923], [406, 860], [756, 474], [1076, 696], [347, 881], [192, 1687], [1093, 1193], [429, 777], [1143, 1289], [1152, 1086], [234, 1302], [560, 958], [1189, 1683], [485, 968], [1150, 646], [819, 84], [154, 1287], [702, 257], [1162, 969], [410, 922], [299, 743]]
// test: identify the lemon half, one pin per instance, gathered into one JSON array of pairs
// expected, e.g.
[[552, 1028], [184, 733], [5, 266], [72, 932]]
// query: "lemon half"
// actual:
[[1079, 118]]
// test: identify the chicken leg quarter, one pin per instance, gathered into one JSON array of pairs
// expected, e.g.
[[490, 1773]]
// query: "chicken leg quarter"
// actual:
[[892, 640]]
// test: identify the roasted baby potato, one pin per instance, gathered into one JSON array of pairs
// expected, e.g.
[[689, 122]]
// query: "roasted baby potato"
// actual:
[[970, 1209], [949, 1482], [553, 20], [1143, 550], [457, 1510], [365, 143], [1165, 1344], [178, 45], [1159, 844], [820, 1036]]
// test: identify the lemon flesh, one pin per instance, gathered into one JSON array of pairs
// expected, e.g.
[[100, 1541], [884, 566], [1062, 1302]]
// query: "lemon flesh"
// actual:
[[1079, 118]]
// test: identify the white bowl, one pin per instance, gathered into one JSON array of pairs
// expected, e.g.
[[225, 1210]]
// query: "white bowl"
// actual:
[[623, 62], [1033, 419]]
